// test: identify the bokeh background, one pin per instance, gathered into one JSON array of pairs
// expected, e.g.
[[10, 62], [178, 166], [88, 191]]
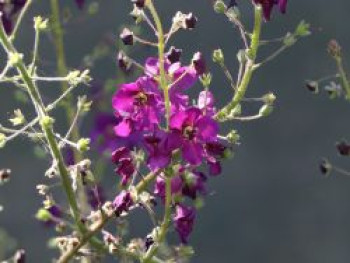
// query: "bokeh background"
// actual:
[[271, 204]]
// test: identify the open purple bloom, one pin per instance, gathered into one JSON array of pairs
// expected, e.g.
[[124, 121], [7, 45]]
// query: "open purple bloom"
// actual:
[[195, 129], [214, 152], [184, 220], [138, 105], [268, 6], [122, 202], [160, 146]]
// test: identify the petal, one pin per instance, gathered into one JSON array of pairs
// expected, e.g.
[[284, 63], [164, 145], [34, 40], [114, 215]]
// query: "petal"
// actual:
[[123, 129], [207, 128], [192, 152], [123, 100], [177, 120]]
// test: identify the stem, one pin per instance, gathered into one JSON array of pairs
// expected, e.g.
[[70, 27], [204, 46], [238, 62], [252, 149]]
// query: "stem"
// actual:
[[161, 47], [20, 18], [249, 68], [344, 78], [165, 224], [62, 69], [47, 129]]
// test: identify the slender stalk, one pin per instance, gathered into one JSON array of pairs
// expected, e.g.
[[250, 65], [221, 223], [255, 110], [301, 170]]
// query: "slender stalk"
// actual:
[[343, 76], [249, 68], [164, 226], [161, 47], [47, 129], [62, 69], [20, 18]]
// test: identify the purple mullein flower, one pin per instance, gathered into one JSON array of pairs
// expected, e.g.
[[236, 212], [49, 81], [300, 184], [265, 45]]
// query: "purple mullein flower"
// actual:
[[138, 105], [195, 129], [184, 220], [122, 202], [160, 146], [214, 152]]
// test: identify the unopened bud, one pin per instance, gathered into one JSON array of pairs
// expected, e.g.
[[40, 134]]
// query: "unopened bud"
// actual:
[[220, 7], [83, 144], [218, 56], [265, 110]]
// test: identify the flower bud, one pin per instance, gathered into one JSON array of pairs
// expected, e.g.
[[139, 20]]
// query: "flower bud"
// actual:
[[43, 215], [218, 56], [334, 49], [233, 137], [15, 58], [40, 23], [124, 62], [2, 140], [199, 63], [83, 144], [312, 86], [127, 37], [47, 122], [265, 110], [190, 21], [206, 79], [18, 118], [289, 40], [303, 29], [220, 7], [139, 3], [325, 167], [4, 175], [174, 54], [20, 256], [269, 98], [343, 148]]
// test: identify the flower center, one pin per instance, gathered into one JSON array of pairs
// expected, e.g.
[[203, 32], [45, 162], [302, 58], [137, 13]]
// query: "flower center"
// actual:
[[141, 99], [189, 132]]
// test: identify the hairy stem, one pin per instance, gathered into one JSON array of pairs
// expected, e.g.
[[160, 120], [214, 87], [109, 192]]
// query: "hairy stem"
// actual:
[[249, 67], [343, 76], [161, 47]]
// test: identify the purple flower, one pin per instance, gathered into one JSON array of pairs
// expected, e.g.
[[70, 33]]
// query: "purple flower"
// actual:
[[176, 186], [102, 135], [268, 5], [160, 146], [122, 202], [125, 165], [195, 129], [184, 219], [138, 104], [214, 152]]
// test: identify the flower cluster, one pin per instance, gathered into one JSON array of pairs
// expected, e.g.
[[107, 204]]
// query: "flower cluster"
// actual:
[[174, 135]]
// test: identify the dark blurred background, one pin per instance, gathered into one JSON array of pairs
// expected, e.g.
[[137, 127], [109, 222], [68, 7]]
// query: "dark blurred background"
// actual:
[[271, 204]]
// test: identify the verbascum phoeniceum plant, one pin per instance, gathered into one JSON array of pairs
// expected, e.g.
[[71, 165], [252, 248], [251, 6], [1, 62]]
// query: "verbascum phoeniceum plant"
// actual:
[[164, 144]]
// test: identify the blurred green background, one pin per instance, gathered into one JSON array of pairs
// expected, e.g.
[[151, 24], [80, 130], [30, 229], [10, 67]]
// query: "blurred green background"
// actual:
[[271, 204]]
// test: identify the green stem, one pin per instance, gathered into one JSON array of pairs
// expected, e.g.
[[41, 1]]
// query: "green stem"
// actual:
[[20, 18], [49, 134], [249, 67], [161, 47], [62, 69], [343, 76], [164, 226]]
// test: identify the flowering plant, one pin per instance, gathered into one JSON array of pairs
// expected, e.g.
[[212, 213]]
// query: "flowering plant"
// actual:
[[164, 144]]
